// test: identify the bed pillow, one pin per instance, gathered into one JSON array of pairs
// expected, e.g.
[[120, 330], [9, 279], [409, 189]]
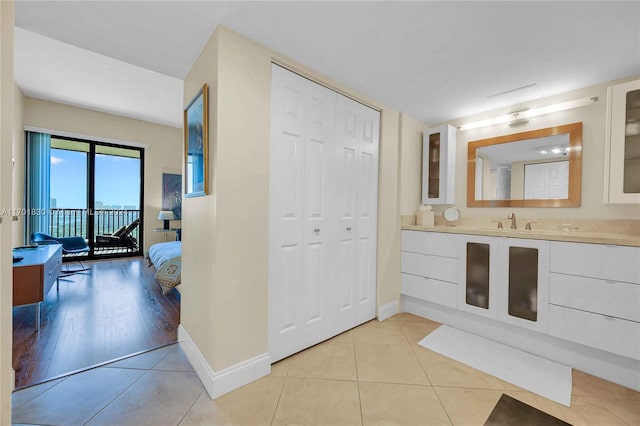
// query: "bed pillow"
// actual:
[[168, 276]]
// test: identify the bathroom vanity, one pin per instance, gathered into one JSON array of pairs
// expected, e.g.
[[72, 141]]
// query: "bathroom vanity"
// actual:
[[573, 297]]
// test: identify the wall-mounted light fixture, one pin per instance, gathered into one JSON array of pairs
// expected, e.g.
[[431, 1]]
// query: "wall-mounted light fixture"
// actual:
[[520, 117]]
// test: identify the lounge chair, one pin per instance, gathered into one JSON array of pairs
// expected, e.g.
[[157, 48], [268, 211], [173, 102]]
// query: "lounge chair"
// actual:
[[120, 238]]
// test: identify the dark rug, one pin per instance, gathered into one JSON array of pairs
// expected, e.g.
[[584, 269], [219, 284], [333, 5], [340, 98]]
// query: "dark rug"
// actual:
[[509, 411]]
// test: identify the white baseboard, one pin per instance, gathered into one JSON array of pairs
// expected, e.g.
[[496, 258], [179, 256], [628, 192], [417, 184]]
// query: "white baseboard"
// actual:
[[388, 310], [223, 381], [621, 370]]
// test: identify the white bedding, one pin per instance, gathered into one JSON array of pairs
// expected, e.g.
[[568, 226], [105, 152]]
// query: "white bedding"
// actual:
[[163, 252]]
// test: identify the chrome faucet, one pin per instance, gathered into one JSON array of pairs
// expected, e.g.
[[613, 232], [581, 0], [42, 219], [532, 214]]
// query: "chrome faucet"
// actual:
[[512, 216]]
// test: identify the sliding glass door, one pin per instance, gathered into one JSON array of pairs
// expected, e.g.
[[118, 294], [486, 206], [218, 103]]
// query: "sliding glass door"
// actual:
[[68, 188], [96, 193], [117, 196]]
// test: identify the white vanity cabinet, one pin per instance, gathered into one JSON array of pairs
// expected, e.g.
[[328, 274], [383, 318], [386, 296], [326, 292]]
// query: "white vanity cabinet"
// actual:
[[622, 144], [439, 165], [595, 296], [429, 267], [505, 279]]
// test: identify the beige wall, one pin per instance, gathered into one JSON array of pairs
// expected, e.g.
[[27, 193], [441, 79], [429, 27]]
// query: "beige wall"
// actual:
[[162, 154], [199, 220], [593, 137], [391, 136], [18, 166], [411, 163], [6, 148], [225, 268]]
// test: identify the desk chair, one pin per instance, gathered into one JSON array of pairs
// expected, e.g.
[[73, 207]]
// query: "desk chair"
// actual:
[[71, 247]]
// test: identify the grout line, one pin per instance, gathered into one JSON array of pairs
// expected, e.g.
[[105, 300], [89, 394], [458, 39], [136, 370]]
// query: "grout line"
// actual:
[[116, 397], [442, 405], [355, 360], [191, 407], [61, 379], [284, 383]]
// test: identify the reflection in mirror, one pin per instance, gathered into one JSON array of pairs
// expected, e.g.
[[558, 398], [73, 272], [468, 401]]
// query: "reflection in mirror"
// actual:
[[540, 168], [524, 170]]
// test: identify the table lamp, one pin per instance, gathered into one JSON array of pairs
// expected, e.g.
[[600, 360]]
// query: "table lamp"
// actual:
[[166, 215]]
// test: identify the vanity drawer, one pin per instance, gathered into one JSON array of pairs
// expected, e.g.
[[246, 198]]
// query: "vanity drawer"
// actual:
[[616, 263], [617, 299], [609, 334], [434, 243], [435, 291], [440, 268]]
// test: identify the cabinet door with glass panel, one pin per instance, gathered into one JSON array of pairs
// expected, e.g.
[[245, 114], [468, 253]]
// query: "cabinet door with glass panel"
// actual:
[[622, 145], [478, 275], [505, 279], [439, 165], [524, 283]]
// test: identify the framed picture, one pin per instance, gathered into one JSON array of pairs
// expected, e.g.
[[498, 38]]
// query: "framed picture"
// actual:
[[196, 145], [172, 194]]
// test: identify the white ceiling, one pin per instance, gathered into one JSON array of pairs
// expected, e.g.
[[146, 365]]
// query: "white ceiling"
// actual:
[[502, 155], [436, 61]]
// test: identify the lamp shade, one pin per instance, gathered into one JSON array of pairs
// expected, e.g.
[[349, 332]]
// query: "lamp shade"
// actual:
[[166, 215]]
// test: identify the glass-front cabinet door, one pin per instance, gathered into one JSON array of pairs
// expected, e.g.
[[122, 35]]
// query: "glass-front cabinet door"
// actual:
[[622, 152], [438, 165], [478, 275], [524, 283]]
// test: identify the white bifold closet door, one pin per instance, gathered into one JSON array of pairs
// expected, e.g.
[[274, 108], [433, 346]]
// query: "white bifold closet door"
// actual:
[[322, 213]]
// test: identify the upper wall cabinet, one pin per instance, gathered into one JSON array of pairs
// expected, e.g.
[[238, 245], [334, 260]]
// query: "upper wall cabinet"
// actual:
[[439, 165], [622, 144]]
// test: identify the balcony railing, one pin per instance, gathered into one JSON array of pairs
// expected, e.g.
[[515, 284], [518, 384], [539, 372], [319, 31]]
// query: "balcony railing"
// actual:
[[74, 223]]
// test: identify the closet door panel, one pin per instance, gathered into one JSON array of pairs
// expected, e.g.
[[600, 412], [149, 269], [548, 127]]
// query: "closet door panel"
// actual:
[[346, 187], [319, 228], [357, 139], [368, 211], [286, 213]]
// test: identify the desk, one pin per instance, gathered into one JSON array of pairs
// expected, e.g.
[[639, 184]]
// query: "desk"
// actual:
[[34, 275], [166, 231]]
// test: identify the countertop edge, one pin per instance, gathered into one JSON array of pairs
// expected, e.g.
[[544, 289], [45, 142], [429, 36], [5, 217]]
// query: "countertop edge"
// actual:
[[605, 239]]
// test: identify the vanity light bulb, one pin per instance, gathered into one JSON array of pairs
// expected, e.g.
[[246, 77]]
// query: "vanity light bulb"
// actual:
[[544, 152], [556, 150]]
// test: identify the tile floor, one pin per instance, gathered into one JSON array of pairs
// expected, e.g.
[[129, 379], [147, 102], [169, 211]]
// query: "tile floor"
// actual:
[[372, 375]]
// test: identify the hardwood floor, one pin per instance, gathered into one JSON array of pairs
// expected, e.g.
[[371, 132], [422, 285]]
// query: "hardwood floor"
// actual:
[[113, 310]]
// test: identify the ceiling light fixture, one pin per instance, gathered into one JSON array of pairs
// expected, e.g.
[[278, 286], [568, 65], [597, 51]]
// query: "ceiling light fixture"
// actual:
[[553, 150], [520, 117]]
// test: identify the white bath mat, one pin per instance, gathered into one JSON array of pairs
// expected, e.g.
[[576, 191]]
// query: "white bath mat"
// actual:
[[538, 375]]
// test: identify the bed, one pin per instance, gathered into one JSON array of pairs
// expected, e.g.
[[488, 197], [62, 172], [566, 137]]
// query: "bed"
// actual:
[[166, 257]]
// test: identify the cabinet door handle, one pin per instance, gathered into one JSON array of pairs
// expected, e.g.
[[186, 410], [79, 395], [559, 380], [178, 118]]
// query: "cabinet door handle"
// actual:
[[317, 230], [348, 228]]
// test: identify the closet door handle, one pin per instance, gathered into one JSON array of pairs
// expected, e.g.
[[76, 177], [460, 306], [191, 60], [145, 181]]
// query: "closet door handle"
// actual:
[[317, 230], [348, 228]]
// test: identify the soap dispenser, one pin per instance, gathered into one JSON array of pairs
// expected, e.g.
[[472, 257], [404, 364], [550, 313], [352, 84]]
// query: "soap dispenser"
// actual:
[[425, 216]]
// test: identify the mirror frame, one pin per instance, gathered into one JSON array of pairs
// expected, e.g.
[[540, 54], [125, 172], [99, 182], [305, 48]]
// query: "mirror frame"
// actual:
[[575, 167]]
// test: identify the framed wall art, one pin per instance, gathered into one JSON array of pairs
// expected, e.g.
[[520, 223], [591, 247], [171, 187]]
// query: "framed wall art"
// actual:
[[196, 145], [172, 194]]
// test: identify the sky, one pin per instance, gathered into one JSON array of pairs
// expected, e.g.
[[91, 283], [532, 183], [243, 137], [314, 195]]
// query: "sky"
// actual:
[[117, 179]]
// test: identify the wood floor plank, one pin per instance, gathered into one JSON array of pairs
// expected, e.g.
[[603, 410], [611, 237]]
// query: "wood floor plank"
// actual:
[[113, 310]]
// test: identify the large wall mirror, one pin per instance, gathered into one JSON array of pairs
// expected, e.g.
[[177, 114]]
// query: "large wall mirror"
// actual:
[[539, 168]]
